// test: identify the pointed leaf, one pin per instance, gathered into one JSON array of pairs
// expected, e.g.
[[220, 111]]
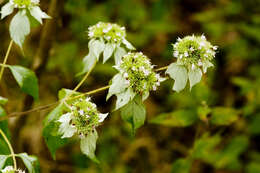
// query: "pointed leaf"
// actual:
[[134, 112], [223, 116], [96, 47], [124, 97], [3, 100], [38, 14], [88, 145], [19, 27], [128, 45], [179, 74], [119, 53], [2, 161], [6, 10], [26, 79], [118, 85], [31, 162], [108, 51], [194, 76], [181, 166]]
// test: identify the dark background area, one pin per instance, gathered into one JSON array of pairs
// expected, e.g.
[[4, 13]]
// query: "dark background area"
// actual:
[[55, 51]]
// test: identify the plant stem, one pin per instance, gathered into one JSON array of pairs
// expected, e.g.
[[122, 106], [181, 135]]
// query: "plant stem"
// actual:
[[162, 68], [10, 147], [85, 77], [5, 59]]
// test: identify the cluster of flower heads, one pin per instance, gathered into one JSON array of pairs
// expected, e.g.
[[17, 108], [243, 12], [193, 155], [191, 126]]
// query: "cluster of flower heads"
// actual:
[[10, 169], [82, 118], [24, 3], [107, 31], [138, 73], [194, 52]]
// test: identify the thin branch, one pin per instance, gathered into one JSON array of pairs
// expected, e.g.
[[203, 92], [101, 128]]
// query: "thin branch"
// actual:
[[10, 148], [5, 59], [40, 108]]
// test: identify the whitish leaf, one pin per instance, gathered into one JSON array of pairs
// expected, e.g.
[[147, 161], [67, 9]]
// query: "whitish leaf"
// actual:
[[118, 85], [88, 62], [206, 65], [3, 100], [179, 74], [6, 10], [88, 145], [134, 112], [194, 76], [65, 129], [31, 162], [38, 14], [2, 160], [124, 97], [128, 45], [96, 47], [181, 166], [19, 27], [180, 118], [119, 53], [108, 51], [26, 79], [223, 116]]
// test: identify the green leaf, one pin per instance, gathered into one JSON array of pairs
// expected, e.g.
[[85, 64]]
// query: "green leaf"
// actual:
[[4, 124], [206, 65], [26, 79], [38, 14], [179, 74], [223, 116], [108, 51], [124, 97], [6, 10], [118, 85], [203, 112], [2, 161], [67, 92], [88, 145], [253, 167], [52, 139], [119, 53], [134, 112], [19, 27], [194, 76], [181, 166], [254, 127], [3, 100], [180, 118], [96, 47], [31, 162]]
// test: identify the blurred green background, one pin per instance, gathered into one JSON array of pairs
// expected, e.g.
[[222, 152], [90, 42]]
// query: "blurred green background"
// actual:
[[215, 128]]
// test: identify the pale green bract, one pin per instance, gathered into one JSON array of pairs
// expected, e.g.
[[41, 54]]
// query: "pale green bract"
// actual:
[[194, 56], [106, 38], [20, 24], [10, 169], [135, 77]]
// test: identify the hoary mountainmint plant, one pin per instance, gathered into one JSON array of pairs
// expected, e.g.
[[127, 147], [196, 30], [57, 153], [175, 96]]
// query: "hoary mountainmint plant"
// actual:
[[75, 114]]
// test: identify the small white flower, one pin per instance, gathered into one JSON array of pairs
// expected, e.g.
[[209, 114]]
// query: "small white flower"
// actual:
[[203, 37], [200, 63], [125, 75], [202, 44], [175, 54], [133, 68], [215, 47], [154, 87], [8, 169], [102, 117], [186, 54], [192, 66], [178, 39], [181, 56], [191, 49], [157, 83], [127, 82], [91, 34], [146, 72], [88, 99], [81, 112]]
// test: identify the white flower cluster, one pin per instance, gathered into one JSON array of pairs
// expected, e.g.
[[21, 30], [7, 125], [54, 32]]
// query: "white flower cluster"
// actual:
[[10, 169], [82, 118], [138, 73], [24, 3], [194, 51], [108, 32]]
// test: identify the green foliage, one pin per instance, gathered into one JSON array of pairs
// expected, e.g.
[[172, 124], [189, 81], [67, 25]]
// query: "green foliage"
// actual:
[[179, 118], [181, 166], [3, 158], [26, 79], [134, 113], [223, 116]]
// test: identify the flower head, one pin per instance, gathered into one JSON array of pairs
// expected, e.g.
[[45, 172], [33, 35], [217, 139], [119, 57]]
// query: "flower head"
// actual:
[[109, 32], [138, 72], [10, 169], [82, 118], [194, 51]]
